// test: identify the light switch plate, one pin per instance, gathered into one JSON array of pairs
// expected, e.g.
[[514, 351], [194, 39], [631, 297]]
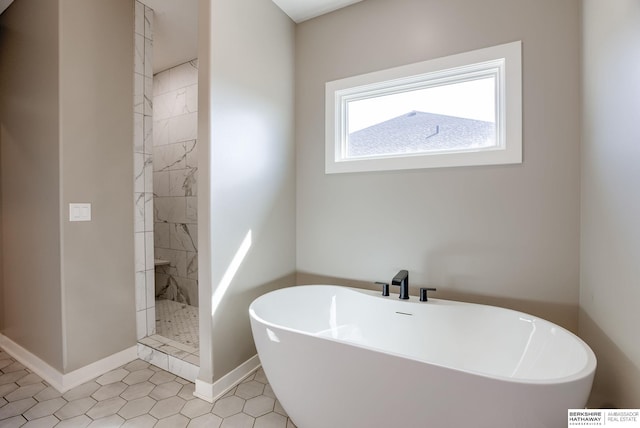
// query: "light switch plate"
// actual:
[[79, 212]]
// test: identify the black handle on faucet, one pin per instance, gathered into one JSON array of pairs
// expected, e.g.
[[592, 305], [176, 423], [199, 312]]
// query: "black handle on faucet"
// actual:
[[385, 288], [423, 293]]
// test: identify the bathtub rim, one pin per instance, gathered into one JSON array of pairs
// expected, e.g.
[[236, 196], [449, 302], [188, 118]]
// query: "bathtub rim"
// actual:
[[588, 371]]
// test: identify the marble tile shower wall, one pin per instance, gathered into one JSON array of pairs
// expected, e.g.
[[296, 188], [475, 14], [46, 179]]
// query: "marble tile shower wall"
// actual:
[[175, 173], [143, 183]]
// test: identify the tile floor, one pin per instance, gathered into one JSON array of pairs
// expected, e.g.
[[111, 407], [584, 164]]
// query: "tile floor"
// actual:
[[177, 322], [135, 395]]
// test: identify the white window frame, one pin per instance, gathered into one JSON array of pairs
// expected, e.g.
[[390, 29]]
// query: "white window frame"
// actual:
[[503, 60]]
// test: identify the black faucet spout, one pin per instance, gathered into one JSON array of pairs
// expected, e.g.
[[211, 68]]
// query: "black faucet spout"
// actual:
[[402, 279]]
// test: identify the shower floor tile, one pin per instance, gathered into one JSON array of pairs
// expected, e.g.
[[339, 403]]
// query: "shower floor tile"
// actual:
[[178, 322]]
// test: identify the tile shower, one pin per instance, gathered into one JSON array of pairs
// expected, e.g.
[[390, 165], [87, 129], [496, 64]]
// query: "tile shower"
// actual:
[[165, 195], [175, 173], [175, 182], [143, 176]]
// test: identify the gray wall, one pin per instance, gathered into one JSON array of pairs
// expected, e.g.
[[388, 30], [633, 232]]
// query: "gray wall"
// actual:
[[610, 244], [96, 87], [497, 234], [30, 171], [66, 114], [246, 170]]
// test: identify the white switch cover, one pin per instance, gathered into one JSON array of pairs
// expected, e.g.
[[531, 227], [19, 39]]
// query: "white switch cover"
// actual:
[[79, 212]]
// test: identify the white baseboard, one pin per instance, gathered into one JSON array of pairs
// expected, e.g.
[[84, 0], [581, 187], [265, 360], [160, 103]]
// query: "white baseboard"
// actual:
[[204, 390], [212, 391], [65, 381]]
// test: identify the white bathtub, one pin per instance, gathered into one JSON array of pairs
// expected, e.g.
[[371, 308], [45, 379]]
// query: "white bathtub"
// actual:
[[339, 357]]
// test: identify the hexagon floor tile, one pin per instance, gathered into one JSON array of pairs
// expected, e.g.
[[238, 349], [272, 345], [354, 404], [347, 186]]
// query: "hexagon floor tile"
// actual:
[[134, 395]]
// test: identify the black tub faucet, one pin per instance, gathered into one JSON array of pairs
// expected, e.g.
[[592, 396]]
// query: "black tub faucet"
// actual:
[[402, 279]]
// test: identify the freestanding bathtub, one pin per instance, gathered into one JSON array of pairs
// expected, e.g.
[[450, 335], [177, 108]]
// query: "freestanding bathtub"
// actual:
[[339, 357]]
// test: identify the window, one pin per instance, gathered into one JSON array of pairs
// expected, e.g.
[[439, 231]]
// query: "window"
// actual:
[[459, 110]]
